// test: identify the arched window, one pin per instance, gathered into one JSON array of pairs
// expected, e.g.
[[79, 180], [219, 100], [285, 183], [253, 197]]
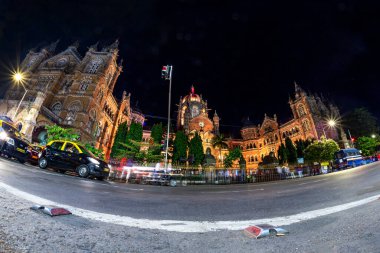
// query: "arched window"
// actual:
[[56, 108], [98, 129], [276, 137], [254, 145], [301, 110], [73, 109], [305, 125], [94, 66]]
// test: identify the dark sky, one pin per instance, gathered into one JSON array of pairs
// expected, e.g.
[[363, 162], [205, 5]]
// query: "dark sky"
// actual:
[[242, 56]]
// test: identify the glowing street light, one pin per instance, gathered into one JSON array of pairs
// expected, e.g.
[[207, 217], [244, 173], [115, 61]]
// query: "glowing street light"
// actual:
[[19, 78], [330, 123], [373, 136]]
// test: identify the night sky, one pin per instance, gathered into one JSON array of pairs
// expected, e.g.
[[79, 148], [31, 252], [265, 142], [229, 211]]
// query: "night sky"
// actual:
[[242, 56]]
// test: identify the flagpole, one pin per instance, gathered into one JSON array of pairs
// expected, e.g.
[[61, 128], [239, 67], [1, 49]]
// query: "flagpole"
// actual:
[[168, 132]]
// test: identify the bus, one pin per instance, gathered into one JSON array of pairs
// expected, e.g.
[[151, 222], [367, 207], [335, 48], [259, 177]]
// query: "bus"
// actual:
[[348, 157]]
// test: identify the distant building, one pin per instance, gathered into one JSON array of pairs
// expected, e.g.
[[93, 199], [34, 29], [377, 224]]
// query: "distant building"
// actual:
[[193, 117], [71, 91], [309, 121]]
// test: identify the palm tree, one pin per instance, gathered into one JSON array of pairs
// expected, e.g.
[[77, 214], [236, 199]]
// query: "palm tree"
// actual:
[[219, 142]]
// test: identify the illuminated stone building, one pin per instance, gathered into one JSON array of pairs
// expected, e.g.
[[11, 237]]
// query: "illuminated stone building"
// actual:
[[73, 91], [309, 121], [193, 117]]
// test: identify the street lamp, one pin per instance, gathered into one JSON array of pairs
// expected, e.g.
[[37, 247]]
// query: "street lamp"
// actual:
[[166, 73], [373, 136], [330, 123], [19, 78]]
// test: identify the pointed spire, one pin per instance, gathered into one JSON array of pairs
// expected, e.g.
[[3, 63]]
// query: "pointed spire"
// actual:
[[298, 90], [192, 90], [94, 47], [121, 62], [114, 46], [296, 87], [51, 48], [215, 114], [75, 44]]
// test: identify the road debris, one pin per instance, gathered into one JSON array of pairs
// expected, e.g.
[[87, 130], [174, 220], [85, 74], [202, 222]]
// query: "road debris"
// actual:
[[51, 210], [263, 230]]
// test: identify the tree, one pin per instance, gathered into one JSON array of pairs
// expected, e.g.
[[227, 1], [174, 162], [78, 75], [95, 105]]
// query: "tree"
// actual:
[[180, 148], [321, 151], [219, 142], [329, 149], [361, 122], [367, 145], [135, 132], [196, 150], [282, 154], [156, 132], [232, 156], [291, 151], [132, 150], [55, 132], [300, 148], [120, 137], [97, 152]]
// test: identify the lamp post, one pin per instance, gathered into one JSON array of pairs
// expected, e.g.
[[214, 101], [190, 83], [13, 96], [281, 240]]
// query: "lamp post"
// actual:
[[19, 77], [166, 74]]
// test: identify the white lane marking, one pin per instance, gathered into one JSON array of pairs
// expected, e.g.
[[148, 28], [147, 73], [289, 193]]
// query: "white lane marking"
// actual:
[[216, 192], [316, 181], [189, 226]]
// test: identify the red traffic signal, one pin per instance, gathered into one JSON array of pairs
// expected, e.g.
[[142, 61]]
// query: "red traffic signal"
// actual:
[[166, 72]]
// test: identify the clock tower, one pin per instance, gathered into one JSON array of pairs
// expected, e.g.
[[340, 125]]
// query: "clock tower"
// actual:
[[193, 113]]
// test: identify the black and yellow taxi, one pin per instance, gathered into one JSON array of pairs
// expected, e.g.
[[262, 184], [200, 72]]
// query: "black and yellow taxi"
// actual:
[[12, 143], [72, 156]]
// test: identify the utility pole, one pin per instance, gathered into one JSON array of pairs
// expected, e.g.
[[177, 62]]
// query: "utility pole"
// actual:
[[166, 74]]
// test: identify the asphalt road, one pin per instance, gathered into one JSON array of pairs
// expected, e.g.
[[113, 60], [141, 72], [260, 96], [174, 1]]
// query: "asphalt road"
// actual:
[[196, 203]]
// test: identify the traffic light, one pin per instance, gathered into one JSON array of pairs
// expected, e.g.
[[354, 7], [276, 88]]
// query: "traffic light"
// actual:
[[166, 72], [353, 139]]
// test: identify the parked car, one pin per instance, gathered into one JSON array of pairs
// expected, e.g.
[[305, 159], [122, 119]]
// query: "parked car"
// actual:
[[12, 143], [71, 156], [33, 151]]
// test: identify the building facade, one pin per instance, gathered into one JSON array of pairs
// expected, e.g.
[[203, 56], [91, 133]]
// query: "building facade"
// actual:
[[71, 91], [310, 115], [193, 117]]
